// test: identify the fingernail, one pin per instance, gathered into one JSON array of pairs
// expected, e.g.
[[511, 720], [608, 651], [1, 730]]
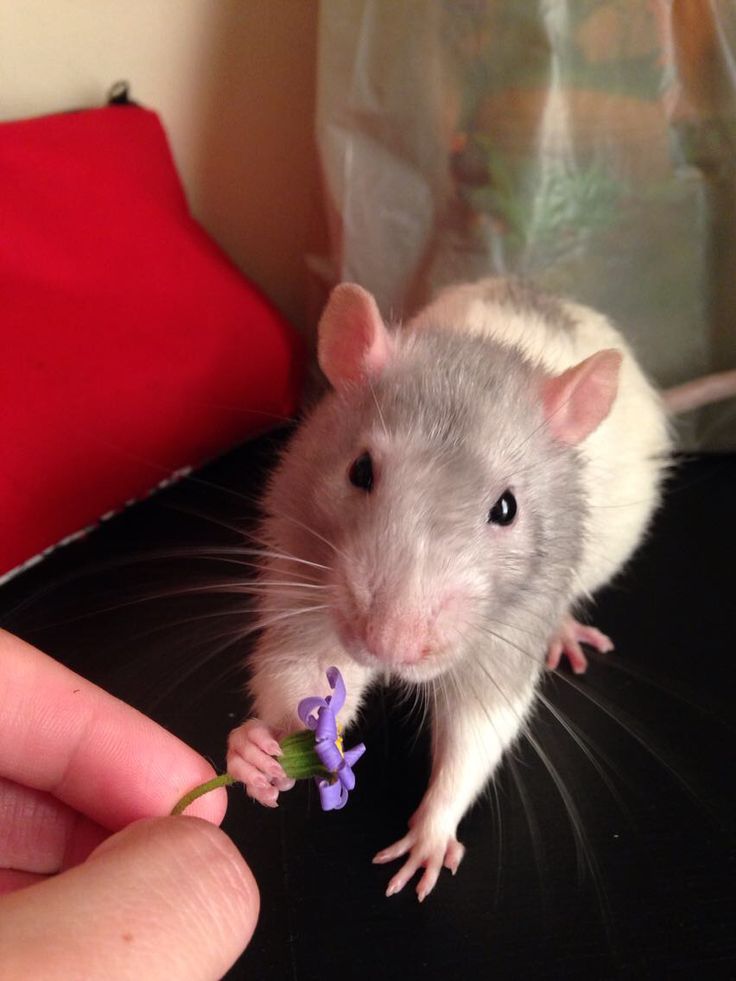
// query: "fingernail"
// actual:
[[273, 748]]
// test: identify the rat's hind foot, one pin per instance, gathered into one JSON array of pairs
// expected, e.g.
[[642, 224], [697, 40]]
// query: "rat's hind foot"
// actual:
[[250, 751], [432, 853], [567, 641]]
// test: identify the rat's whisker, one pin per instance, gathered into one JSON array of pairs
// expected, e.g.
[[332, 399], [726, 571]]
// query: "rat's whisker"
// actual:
[[628, 725], [378, 407], [667, 688], [234, 637], [301, 524], [207, 589], [268, 621], [585, 855], [585, 745], [535, 834], [536, 658]]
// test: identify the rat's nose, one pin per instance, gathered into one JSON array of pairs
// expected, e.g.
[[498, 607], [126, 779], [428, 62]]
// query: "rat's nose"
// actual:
[[401, 637]]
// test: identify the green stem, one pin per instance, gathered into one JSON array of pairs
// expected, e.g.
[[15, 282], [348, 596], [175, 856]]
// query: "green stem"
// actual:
[[223, 780]]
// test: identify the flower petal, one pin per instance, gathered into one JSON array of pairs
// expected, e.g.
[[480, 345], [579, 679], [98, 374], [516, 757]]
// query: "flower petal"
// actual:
[[337, 699], [353, 755], [326, 725], [346, 776], [332, 796], [329, 754], [307, 706]]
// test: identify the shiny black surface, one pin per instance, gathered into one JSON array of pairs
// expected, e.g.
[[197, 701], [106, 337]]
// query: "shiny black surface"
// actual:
[[643, 889]]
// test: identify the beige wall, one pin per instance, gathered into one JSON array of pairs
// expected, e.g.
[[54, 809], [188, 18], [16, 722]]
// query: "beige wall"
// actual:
[[234, 83]]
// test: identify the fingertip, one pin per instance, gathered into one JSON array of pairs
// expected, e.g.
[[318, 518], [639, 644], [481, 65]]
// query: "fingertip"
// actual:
[[204, 872], [215, 852], [165, 897]]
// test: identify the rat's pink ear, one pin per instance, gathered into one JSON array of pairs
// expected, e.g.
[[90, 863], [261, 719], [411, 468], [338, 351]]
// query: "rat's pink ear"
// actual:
[[577, 401], [353, 343]]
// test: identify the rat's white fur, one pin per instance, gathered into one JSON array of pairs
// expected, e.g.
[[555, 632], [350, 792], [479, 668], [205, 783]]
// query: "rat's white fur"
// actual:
[[449, 443]]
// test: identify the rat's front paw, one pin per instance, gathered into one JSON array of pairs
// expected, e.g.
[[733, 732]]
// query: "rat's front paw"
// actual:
[[250, 751], [428, 849]]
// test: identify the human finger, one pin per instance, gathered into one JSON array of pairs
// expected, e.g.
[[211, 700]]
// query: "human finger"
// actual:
[[61, 734], [169, 897], [40, 835]]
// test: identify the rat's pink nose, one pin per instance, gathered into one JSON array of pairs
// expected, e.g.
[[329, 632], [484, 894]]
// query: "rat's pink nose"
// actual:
[[399, 638]]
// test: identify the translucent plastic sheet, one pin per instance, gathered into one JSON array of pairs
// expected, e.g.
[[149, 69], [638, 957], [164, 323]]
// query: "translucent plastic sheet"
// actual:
[[588, 145]]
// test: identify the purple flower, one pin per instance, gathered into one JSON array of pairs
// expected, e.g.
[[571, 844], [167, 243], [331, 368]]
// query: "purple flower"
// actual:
[[320, 715]]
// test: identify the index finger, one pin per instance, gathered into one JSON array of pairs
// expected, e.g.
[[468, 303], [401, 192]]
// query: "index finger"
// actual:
[[62, 734]]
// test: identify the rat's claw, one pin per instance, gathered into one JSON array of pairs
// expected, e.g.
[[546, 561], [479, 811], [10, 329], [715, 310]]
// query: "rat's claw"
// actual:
[[401, 878], [594, 638], [567, 641], [251, 748], [256, 785], [454, 855], [428, 881], [452, 858], [423, 853], [259, 734], [394, 851]]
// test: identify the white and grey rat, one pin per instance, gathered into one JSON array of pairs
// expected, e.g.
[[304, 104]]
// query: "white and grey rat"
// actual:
[[470, 478]]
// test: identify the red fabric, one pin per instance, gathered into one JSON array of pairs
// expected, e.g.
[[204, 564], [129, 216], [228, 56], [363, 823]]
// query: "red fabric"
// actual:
[[130, 345]]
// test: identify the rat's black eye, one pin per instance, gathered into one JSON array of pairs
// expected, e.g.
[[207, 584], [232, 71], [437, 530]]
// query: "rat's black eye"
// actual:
[[360, 473], [504, 510]]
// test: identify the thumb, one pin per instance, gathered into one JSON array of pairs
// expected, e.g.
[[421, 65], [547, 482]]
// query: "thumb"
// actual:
[[164, 898]]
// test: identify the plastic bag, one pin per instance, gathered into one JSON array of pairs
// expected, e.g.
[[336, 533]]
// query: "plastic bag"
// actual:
[[587, 145]]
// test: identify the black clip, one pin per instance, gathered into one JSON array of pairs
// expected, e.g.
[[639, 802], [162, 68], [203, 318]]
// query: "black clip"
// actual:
[[119, 95]]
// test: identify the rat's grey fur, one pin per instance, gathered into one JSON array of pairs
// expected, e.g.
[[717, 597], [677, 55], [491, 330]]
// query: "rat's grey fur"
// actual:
[[453, 420]]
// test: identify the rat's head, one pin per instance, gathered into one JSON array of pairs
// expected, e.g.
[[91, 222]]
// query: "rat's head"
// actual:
[[439, 484]]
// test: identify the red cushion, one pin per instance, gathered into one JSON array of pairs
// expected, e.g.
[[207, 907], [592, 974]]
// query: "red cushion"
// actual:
[[131, 346]]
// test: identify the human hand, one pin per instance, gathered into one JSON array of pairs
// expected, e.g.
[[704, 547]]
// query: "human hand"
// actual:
[[168, 897]]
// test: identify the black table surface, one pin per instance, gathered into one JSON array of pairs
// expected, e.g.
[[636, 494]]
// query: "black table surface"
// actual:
[[616, 862]]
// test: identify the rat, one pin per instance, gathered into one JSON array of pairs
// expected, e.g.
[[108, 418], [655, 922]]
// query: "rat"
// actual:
[[468, 481]]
